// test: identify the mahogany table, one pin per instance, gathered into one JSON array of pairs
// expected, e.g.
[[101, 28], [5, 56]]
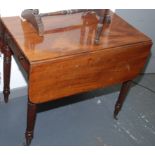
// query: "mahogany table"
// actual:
[[66, 61]]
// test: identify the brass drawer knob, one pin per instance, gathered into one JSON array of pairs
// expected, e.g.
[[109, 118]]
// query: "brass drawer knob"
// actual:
[[20, 57]]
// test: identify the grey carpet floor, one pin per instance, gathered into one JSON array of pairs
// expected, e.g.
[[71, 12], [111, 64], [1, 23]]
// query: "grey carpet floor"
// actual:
[[86, 119]]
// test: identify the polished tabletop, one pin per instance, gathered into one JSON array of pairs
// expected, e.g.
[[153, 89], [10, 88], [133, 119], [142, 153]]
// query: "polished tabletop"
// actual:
[[69, 35]]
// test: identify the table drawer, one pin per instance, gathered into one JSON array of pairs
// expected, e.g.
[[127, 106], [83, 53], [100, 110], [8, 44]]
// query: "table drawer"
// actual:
[[17, 52]]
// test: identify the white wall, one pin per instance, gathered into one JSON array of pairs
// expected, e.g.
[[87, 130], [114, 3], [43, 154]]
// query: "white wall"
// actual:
[[17, 79]]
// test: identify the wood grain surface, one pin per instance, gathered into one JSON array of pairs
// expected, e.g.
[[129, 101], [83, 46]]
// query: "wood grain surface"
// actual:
[[84, 72]]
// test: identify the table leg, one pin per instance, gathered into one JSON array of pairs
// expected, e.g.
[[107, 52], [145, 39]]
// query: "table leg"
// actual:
[[31, 117], [124, 90], [6, 69]]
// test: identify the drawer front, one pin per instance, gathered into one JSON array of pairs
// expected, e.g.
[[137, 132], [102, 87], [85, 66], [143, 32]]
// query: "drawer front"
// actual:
[[75, 74], [17, 52]]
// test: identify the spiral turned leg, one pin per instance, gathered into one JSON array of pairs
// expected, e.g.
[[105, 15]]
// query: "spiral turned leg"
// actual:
[[99, 29]]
